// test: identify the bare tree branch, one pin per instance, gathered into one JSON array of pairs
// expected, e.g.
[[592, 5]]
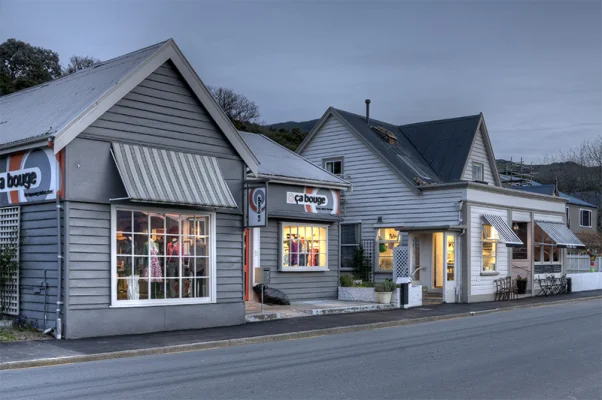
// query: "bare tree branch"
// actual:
[[236, 106]]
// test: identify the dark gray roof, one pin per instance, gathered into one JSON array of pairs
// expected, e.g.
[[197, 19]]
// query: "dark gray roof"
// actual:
[[403, 155], [433, 151], [279, 162], [445, 144], [549, 190]]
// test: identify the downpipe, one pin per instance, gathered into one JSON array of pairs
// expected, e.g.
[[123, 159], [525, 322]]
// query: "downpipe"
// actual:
[[58, 332]]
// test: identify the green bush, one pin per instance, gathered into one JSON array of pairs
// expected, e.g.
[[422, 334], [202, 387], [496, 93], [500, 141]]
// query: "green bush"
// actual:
[[367, 284], [346, 281], [362, 265], [386, 286]]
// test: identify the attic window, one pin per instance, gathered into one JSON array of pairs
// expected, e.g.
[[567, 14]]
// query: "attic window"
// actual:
[[478, 170], [385, 134]]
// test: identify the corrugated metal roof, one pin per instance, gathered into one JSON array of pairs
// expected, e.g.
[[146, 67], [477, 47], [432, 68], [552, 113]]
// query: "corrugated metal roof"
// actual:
[[506, 233], [44, 109], [278, 161], [170, 177], [560, 234]]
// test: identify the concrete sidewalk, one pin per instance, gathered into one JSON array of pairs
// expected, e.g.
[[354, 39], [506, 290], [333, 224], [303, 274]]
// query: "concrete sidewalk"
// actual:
[[38, 353]]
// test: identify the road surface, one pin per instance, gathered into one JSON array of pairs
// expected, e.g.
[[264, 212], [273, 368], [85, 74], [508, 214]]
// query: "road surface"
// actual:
[[541, 353]]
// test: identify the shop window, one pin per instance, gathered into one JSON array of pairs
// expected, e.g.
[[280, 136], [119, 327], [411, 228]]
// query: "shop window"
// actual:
[[162, 258], [350, 242], [478, 172], [521, 230], [545, 251], [490, 244], [334, 166], [585, 218], [387, 239], [304, 247]]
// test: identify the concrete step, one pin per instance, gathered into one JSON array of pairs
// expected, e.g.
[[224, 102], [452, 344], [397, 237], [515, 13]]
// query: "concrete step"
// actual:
[[260, 317], [349, 309]]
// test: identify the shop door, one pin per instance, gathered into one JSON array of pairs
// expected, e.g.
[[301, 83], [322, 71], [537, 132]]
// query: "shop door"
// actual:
[[246, 253], [450, 262]]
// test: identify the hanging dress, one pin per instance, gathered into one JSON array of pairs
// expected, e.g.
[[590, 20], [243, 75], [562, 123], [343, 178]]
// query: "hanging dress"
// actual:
[[156, 273]]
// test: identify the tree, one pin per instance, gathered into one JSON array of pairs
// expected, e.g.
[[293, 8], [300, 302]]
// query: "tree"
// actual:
[[77, 63], [23, 65], [236, 106]]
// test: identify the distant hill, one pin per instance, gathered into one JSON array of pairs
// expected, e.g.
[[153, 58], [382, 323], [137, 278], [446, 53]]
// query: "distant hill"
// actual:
[[304, 126]]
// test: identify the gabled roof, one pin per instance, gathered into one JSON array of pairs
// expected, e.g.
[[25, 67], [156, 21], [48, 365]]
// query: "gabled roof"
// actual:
[[427, 152], [445, 144], [278, 162], [548, 189], [63, 108]]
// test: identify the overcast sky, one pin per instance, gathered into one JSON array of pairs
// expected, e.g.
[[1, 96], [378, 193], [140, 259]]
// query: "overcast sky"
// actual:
[[533, 68]]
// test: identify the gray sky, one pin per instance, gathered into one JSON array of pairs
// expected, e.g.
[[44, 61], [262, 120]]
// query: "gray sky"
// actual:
[[533, 68]]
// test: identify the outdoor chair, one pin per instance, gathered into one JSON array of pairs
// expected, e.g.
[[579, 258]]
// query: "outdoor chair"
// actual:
[[563, 284], [511, 288], [544, 287], [500, 290]]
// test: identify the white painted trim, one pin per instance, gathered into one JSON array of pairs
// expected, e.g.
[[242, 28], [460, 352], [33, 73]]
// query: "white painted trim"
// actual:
[[169, 51], [282, 268], [590, 218], [163, 302]]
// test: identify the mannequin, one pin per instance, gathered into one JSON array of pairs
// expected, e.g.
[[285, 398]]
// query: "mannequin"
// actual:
[[174, 249], [156, 273]]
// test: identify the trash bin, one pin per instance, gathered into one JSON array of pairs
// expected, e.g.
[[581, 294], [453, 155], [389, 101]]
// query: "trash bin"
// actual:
[[569, 285]]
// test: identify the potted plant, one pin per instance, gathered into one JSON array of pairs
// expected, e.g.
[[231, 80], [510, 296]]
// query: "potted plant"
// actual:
[[384, 291], [521, 284]]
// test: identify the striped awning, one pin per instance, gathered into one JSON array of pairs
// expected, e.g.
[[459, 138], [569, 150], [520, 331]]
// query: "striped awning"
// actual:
[[171, 177], [506, 233], [560, 234]]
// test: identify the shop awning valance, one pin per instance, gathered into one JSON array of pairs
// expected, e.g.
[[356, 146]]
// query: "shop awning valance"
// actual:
[[506, 233], [171, 177], [560, 234]]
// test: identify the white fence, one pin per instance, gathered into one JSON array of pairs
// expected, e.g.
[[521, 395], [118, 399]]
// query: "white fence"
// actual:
[[582, 264]]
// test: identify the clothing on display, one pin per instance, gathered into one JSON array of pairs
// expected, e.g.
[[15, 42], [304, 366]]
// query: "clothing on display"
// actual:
[[156, 273]]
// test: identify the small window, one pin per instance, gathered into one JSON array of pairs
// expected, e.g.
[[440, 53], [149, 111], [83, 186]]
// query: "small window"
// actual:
[[350, 242], [335, 167], [568, 218], [489, 253], [386, 240], [585, 218], [477, 172], [304, 247]]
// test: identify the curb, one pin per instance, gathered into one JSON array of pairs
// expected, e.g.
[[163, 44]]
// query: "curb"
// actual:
[[11, 365]]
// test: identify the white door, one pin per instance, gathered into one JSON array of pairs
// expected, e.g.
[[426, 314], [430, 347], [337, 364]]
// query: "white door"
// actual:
[[451, 263]]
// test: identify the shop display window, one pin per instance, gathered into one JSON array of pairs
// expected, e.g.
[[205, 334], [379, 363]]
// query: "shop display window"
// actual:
[[161, 257], [490, 246], [545, 251], [304, 247], [387, 239]]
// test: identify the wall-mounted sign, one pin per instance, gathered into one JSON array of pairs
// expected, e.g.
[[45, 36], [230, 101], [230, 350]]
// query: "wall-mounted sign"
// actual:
[[316, 200], [28, 176], [257, 200]]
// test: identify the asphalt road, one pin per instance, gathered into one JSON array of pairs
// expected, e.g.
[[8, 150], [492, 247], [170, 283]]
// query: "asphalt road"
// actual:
[[542, 353]]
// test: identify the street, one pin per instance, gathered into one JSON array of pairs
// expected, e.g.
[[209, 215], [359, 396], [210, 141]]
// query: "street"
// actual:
[[540, 353]]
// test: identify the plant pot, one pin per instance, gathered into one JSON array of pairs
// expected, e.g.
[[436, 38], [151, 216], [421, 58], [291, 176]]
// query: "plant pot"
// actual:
[[521, 286], [384, 297]]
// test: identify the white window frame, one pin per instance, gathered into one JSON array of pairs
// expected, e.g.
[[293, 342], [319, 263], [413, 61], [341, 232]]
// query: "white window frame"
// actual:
[[582, 211], [540, 246], [358, 227], [283, 268], [163, 302], [482, 166], [496, 242], [377, 242], [333, 160]]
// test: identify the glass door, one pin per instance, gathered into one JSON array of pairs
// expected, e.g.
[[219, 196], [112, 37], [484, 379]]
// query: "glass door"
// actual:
[[449, 291]]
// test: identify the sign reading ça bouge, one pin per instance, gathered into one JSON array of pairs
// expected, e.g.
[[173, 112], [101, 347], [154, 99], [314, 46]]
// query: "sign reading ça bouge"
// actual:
[[28, 176], [316, 200], [257, 207]]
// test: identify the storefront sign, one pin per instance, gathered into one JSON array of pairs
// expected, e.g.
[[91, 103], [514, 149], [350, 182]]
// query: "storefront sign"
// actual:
[[316, 200], [548, 269], [257, 207], [28, 177]]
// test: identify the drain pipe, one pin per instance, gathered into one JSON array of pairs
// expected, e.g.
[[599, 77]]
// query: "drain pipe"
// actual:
[[59, 256]]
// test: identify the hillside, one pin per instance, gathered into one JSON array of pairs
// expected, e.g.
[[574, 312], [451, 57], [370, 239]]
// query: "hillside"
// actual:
[[303, 126]]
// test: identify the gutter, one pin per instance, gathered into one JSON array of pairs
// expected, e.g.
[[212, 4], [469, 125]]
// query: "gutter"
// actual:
[[25, 144], [300, 181], [436, 228], [492, 189]]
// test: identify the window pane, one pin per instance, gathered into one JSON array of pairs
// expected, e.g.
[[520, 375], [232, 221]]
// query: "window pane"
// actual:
[[349, 234], [201, 267], [122, 289], [124, 267], [172, 224], [385, 263], [124, 243], [124, 221], [201, 287], [173, 288], [347, 253], [157, 222], [322, 260], [157, 290], [556, 254], [489, 256], [140, 222], [141, 247]]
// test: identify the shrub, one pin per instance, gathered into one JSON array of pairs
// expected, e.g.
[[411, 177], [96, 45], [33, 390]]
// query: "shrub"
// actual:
[[346, 281], [362, 265], [386, 286]]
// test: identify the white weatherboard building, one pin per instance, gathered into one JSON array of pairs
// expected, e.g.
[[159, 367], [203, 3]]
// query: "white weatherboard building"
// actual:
[[434, 187]]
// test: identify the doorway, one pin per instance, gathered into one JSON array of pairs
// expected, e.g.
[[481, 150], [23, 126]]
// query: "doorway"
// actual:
[[438, 258], [246, 263]]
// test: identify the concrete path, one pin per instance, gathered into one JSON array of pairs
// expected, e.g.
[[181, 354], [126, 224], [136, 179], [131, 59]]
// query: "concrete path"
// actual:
[[31, 354], [538, 353]]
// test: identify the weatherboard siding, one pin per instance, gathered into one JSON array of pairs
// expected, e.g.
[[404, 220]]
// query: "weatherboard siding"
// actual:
[[38, 252], [300, 285], [478, 153], [377, 190], [163, 111]]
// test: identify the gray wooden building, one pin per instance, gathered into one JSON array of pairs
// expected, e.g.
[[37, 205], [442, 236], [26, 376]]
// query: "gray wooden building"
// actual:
[[125, 181]]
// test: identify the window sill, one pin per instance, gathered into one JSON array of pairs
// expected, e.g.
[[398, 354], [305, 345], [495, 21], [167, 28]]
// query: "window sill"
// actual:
[[489, 273], [161, 303], [303, 269]]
